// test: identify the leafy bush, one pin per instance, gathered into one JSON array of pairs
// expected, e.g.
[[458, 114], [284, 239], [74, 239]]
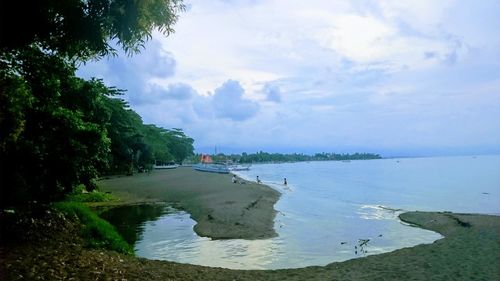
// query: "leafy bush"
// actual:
[[94, 196], [97, 232]]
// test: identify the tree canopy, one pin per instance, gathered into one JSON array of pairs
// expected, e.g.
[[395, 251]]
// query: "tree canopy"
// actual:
[[83, 29], [57, 130], [265, 157]]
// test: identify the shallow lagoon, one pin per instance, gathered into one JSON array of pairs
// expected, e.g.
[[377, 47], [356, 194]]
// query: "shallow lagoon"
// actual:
[[324, 211]]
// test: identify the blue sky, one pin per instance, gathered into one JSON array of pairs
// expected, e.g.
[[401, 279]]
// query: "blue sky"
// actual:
[[391, 77]]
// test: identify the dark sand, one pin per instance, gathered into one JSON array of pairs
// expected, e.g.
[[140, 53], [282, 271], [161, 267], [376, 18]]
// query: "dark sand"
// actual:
[[48, 247], [221, 208]]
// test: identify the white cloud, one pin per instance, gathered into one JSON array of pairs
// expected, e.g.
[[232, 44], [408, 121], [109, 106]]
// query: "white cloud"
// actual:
[[323, 74], [228, 102], [359, 38], [134, 74], [272, 92], [422, 15]]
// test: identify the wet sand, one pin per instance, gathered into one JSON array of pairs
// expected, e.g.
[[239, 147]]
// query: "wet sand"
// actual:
[[49, 248], [470, 249], [221, 208]]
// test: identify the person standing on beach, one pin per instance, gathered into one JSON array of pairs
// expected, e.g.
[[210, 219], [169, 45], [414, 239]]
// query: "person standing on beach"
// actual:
[[258, 180], [234, 179], [284, 181]]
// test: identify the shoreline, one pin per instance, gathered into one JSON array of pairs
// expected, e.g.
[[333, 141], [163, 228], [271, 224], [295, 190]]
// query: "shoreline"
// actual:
[[221, 209], [51, 249], [467, 250]]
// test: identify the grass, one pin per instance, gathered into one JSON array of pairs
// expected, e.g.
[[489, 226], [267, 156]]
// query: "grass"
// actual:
[[95, 196], [91, 197], [97, 232]]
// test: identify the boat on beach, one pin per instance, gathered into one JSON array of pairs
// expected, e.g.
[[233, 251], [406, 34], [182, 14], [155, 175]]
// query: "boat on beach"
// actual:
[[208, 165], [171, 165], [220, 168]]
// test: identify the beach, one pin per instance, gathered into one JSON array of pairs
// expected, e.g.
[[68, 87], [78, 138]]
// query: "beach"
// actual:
[[468, 251], [221, 208]]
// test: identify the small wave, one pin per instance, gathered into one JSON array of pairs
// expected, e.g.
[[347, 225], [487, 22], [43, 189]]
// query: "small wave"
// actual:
[[390, 209], [378, 212]]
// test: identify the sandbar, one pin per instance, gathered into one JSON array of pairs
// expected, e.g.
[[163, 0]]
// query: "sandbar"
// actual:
[[49, 248], [222, 209]]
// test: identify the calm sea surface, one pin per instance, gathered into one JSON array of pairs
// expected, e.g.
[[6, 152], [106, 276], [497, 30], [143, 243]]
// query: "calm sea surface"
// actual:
[[324, 211]]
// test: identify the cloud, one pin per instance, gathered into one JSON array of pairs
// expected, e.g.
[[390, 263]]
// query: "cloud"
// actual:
[[429, 55], [228, 102], [272, 92], [322, 74], [134, 74], [203, 108], [180, 91], [154, 63], [154, 93], [175, 91]]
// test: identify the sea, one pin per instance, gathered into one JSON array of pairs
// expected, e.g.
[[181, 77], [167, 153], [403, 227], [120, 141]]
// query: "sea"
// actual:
[[329, 211]]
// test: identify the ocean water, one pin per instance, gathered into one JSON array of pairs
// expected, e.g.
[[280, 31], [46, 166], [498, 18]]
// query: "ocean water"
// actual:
[[327, 210]]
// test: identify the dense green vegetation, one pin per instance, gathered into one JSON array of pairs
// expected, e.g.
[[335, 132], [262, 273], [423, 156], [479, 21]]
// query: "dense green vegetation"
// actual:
[[57, 130], [135, 216], [97, 232], [79, 195], [264, 157], [84, 29]]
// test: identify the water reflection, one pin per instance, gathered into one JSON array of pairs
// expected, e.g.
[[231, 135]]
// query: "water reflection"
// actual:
[[164, 233], [171, 237], [161, 232], [329, 210], [129, 220]]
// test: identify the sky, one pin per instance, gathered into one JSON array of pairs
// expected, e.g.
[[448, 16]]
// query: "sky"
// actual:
[[398, 78]]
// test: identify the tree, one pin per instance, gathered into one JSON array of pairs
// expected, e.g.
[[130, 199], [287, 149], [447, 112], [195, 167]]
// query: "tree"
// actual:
[[58, 130], [157, 138], [168, 145], [55, 135], [123, 128], [181, 146], [83, 29]]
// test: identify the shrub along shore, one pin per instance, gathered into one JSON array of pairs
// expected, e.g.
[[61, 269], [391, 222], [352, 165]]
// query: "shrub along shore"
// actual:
[[49, 246]]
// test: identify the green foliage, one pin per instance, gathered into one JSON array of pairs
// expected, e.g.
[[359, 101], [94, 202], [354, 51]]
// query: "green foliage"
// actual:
[[97, 232], [136, 146], [135, 216], [94, 196], [12, 107], [55, 135], [83, 28], [180, 145], [159, 141], [168, 145], [264, 157], [56, 130], [59, 130]]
